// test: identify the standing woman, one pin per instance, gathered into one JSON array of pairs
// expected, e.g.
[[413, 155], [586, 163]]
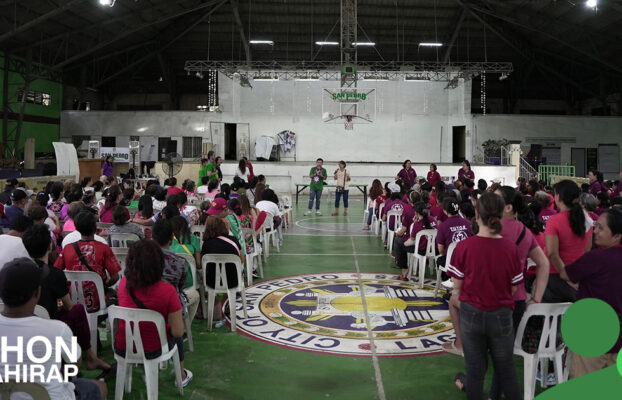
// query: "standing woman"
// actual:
[[407, 174], [433, 175], [342, 176], [466, 174], [107, 167], [567, 238], [486, 270]]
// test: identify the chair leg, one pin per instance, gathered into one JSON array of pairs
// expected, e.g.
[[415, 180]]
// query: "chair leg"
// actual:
[[188, 327], [128, 380], [249, 269], [177, 369], [260, 265], [152, 372], [559, 369], [422, 265], [120, 384], [211, 296], [544, 372], [529, 371], [232, 309], [92, 319], [438, 281], [244, 302], [203, 301]]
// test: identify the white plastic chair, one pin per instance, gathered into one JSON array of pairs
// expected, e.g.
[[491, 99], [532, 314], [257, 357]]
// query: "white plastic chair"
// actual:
[[197, 230], [40, 312], [221, 285], [249, 232], [195, 285], [35, 390], [417, 262], [370, 204], [122, 239], [397, 223], [77, 279], [288, 213], [121, 254], [267, 235], [378, 225], [441, 269], [547, 348], [135, 352]]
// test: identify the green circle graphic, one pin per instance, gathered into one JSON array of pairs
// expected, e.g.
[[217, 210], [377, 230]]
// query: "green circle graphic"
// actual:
[[590, 327], [620, 362]]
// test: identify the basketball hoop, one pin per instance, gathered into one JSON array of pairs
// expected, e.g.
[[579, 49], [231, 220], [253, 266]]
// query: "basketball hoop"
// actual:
[[348, 124]]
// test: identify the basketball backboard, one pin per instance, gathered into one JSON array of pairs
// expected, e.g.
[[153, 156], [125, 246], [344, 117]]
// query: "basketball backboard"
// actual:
[[358, 106]]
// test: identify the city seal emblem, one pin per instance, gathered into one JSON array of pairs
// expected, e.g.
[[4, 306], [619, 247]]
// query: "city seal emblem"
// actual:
[[347, 314]]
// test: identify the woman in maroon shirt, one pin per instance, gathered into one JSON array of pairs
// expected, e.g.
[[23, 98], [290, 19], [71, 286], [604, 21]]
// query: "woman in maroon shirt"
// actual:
[[407, 174], [485, 270], [433, 175], [466, 174]]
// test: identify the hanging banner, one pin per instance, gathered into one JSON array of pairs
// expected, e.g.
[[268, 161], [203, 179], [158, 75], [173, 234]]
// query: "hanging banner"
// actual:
[[120, 154]]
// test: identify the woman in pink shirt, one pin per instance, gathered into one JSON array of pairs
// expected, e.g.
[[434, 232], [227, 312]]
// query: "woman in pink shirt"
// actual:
[[433, 175], [567, 238], [407, 174]]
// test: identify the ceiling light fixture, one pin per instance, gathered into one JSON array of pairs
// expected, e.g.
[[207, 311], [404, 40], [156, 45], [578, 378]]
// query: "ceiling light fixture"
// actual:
[[430, 44], [591, 4], [270, 42], [327, 43], [363, 44], [108, 3]]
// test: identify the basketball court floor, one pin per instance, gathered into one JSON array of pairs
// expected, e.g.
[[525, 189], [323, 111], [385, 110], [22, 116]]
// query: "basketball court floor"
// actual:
[[328, 320]]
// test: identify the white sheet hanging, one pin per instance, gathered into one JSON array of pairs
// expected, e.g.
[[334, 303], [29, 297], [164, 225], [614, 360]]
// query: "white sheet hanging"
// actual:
[[263, 147]]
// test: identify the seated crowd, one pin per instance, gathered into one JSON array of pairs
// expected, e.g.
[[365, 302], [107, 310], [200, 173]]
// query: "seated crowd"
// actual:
[[71, 227], [515, 246]]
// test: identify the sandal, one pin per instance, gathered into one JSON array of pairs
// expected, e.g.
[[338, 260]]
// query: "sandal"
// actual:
[[460, 381], [451, 348], [108, 374]]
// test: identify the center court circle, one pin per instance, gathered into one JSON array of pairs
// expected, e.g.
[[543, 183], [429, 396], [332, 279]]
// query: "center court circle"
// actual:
[[326, 313]]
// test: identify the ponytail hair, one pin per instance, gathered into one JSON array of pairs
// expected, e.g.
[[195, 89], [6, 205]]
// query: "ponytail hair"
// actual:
[[451, 206], [422, 209], [414, 197], [569, 193], [490, 209]]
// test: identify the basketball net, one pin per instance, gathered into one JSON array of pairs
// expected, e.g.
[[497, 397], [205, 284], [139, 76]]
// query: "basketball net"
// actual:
[[348, 124]]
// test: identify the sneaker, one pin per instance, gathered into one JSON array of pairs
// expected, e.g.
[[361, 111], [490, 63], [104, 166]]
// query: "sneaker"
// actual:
[[318, 212], [219, 324], [308, 212], [189, 377], [449, 284], [255, 274], [366, 228]]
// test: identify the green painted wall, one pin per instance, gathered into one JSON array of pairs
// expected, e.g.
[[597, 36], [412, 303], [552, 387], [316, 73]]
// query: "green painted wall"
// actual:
[[44, 133]]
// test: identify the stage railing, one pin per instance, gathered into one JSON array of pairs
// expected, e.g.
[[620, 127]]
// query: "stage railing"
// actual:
[[546, 172]]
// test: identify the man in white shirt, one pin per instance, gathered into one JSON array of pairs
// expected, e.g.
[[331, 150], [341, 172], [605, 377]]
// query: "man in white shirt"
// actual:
[[11, 245], [20, 289]]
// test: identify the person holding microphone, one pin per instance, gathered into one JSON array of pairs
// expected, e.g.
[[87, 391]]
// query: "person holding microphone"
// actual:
[[342, 176], [318, 176]]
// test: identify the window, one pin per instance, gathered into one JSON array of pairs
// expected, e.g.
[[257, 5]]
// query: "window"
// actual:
[[34, 97], [109, 141], [191, 146]]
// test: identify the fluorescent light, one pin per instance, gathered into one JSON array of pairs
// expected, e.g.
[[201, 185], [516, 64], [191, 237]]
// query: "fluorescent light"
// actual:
[[327, 43], [108, 3], [270, 42], [363, 44], [306, 79], [430, 44], [267, 79], [591, 3], [416, 79]]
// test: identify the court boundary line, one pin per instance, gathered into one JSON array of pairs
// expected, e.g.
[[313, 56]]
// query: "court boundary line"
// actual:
[[370, 335]]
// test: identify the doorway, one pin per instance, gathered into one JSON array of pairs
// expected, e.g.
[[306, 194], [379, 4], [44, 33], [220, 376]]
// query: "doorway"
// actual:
[[458, 144], [231, 142], [577, 158]]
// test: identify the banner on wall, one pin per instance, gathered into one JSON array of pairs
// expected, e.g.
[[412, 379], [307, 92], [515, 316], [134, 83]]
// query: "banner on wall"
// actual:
[[120, 154]]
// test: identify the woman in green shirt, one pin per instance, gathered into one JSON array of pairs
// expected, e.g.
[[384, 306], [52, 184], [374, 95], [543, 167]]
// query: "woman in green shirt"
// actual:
[[184, 242]]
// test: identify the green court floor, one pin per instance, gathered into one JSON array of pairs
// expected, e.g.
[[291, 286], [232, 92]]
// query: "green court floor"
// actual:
[[233, 366]]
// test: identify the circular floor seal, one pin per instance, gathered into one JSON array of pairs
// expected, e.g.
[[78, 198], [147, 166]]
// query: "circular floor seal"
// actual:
[[325, 313]]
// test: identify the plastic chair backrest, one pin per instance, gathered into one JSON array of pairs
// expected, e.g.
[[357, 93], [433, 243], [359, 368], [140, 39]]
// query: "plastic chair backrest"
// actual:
[[220, 282], [269, 220], [286, 200], [552, 313], [397, 220], [121, 254], [122, 239], [450, 252], [77, 279], [134, 349], [35, 390], [192, 262], [248, 232], [197, 230], [430, 234]]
